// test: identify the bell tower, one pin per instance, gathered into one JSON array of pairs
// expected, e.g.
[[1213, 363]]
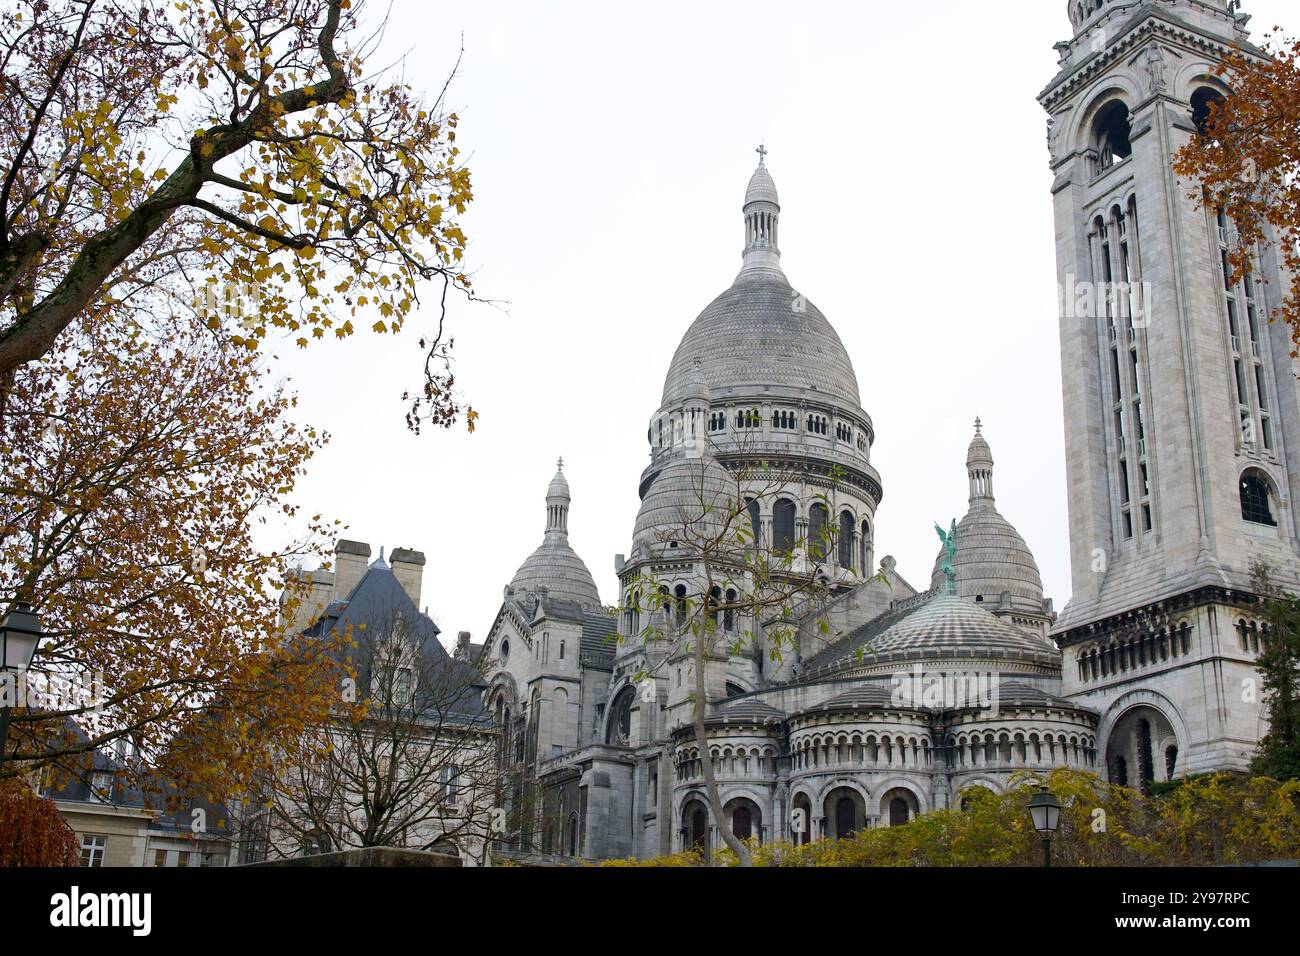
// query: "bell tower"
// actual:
[[1182, 419]]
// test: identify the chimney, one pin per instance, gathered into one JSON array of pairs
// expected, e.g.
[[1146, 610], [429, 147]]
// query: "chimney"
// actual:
[[351, 558], [462, 645], [305, 596], [408, 568]]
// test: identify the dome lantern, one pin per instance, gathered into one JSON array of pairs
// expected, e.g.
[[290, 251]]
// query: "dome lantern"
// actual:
[[762, 219], [557, 502], [979, 468]]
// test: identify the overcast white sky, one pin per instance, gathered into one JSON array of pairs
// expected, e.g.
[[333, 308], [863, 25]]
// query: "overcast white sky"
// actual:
[[610, 146]]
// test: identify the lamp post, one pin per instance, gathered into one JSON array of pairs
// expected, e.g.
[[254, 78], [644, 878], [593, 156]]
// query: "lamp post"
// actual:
[[1045, 811], [20, 632]]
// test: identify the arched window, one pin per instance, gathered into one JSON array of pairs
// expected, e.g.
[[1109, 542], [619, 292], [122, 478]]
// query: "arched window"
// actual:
[[1111, 132], [1204, 103], [695, 828], [818, 521], [846, 540], [1119, 771], [755, 521], [734, 690], [573, 834], [803, 805], [729, 615], [619, 731], [845, 811], [742, 824], [845, 817], [899, 812], [1256, 498], [783, 525], [1146, 768], [679, 603], [864, 546]]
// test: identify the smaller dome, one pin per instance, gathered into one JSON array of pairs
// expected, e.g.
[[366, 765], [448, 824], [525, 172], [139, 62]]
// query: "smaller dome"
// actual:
[[979, 452], [748, 708], [555, 567], [949, 624], [559, 487], [696, 388], [762, 188], [992, 558], [867, 697], [684, 503]]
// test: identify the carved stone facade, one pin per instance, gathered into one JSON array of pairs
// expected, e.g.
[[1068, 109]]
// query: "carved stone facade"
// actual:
[[1182, 419], [1182, 437]]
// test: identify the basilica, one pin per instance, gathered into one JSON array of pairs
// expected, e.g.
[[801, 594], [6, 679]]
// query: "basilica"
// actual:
[[1182, 425]]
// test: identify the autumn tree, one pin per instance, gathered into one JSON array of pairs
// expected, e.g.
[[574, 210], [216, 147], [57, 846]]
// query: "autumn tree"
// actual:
[[229, 155], [137, 458], [747, 596], [406, 757], [1246, 161], [1278, 755], [32, 831]]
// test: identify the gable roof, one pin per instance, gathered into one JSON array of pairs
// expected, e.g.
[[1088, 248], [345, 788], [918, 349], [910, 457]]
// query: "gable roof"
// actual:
[[377, 601]]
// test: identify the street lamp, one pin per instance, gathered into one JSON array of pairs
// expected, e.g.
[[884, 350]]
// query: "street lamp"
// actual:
[[1045, 811], [20, 632]]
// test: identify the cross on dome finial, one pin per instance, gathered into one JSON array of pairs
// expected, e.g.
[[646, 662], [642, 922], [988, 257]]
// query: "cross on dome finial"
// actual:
[[560, 464], [762, 154], [978, 426]]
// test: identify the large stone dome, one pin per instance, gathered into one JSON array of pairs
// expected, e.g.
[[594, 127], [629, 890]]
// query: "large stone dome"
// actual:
[[761, 336], [761, 333]]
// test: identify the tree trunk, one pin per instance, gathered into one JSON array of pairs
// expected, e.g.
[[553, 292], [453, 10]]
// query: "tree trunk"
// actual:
[[706, 759]]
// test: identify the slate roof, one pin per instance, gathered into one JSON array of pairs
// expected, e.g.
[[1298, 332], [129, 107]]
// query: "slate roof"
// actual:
[[374, 605], [599, 630], [599, 626]]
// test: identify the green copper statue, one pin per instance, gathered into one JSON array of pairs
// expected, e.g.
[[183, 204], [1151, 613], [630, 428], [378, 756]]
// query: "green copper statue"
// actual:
[[949, 570]]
